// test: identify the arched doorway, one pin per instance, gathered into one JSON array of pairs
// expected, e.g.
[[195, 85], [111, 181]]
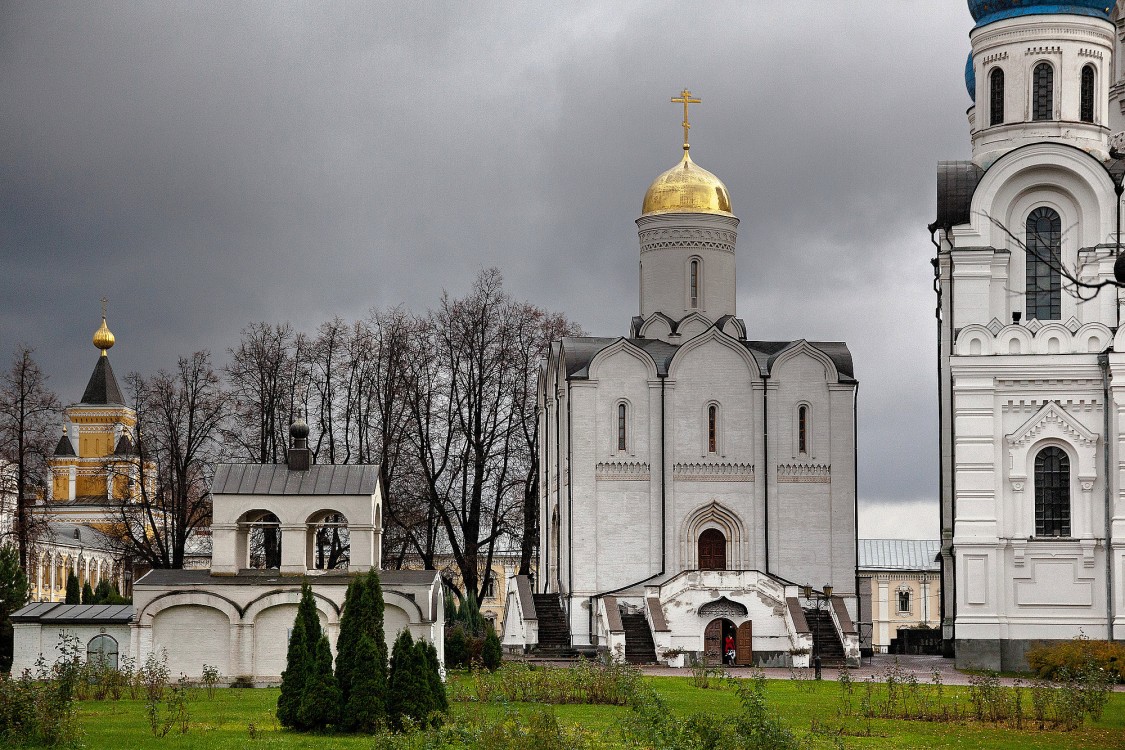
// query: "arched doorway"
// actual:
[[712, 550], [722, 636]]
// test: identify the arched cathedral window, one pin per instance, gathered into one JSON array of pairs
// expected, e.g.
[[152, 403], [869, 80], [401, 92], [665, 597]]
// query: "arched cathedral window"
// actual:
[[693, 284], [1044, 258], [1042, 92], [622, 418], [996, 97], [713, 428], [1086, 113], [803, 429], [1052, 492]]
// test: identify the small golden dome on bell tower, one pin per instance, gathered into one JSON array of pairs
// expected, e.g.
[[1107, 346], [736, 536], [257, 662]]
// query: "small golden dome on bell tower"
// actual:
[[103, 337]]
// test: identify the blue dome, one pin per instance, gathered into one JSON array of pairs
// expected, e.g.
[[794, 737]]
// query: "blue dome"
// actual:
[[987, 11], [971, 78]]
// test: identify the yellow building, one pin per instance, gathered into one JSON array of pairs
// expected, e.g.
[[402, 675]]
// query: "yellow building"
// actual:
[[94, 468], [900, 587], [95, 465]]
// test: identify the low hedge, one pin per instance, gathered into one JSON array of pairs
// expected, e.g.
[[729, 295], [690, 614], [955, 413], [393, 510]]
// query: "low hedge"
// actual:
[[1056, 661]]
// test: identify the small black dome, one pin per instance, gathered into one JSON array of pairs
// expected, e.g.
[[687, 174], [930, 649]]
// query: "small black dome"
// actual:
[[299, 430]]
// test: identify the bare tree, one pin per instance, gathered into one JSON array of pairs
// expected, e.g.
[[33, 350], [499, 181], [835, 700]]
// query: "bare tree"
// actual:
[[474, 420], [180, 417], [28, 421], [259, 374]]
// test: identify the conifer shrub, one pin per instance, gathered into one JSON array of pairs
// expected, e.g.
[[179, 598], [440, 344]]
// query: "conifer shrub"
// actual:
[[491, 653], [73, 592], [299, 660], [439, 701], [87, 594], [347, 642], [456, 647], [320, 698], [365, 708], [411, 700]]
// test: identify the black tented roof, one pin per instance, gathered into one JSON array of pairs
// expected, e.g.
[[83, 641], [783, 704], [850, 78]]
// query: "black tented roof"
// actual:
[[102, 390]]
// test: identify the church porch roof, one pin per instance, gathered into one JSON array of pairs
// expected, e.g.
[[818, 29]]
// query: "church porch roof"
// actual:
[[277, 479]]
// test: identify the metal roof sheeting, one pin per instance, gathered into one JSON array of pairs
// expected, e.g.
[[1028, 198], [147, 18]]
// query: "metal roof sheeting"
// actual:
[[277, 479], [899, 554], [52, 612]]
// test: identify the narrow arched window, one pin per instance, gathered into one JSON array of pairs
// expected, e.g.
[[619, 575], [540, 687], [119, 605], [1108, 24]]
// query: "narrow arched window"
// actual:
[[621, 417], [803, 429], [996, 97], [693, 283], [712, 429], [1086, 113], [1052, 492], [1044, 265], [904, 601], [1043, 92]]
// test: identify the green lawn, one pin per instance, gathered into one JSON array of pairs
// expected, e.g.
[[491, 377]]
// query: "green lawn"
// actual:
[[224, 721]]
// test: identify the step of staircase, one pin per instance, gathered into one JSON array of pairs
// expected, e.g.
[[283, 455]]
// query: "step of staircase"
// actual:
[[829, 646], [554, 631], [639, 646]]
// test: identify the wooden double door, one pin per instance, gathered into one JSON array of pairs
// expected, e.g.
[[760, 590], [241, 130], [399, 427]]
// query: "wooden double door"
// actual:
[[721, 633]]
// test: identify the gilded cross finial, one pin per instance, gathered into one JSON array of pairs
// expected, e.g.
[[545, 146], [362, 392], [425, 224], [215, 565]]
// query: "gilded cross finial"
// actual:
[[685, 99], [104, 303]]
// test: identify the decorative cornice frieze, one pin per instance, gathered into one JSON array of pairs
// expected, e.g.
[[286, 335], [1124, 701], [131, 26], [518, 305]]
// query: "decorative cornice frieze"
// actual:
[[623, 471], [714, 472], [804, 473], [716, 239], [995, 57], [1095, 53], [1044, 50]]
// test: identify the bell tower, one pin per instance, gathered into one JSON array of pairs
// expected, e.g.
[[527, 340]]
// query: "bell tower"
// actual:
[[687, 235]]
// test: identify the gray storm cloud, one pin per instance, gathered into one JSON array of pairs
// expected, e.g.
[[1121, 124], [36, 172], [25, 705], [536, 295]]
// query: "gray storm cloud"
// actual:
[[206, 165]]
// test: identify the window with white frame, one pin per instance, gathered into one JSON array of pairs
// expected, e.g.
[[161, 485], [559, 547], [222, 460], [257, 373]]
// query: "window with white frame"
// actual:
[[1043, 92], [902, 597]]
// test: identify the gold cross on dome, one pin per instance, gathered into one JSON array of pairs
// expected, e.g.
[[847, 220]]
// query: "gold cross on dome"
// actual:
[[104, 303], [685, 99]]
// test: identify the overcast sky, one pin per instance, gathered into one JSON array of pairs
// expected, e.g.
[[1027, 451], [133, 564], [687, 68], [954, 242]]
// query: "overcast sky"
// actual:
[[205, 165]]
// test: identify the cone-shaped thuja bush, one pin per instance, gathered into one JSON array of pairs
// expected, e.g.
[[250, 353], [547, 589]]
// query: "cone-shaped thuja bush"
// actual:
[[294, 677], [408, 695], [348, 640], [299, 660], [491, 654], [439, 700], [365, 709], [320, 698]]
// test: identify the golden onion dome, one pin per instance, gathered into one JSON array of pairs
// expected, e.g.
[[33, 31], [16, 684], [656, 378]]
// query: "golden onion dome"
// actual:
[[103, 338], [687, 188]]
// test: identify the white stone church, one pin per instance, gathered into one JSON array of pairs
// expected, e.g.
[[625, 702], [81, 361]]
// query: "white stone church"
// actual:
[[692, 477], [1032, 352]]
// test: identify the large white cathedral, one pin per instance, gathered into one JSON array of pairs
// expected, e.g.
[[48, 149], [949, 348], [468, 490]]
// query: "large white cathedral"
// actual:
[[1032, 352], [693, 478]]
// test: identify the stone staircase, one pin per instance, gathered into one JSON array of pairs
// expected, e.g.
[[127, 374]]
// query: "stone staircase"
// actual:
[[554, 632], [831, 649], [639, 647]]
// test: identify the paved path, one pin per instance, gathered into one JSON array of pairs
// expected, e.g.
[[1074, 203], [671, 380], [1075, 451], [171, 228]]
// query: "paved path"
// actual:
[[921, 666]]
